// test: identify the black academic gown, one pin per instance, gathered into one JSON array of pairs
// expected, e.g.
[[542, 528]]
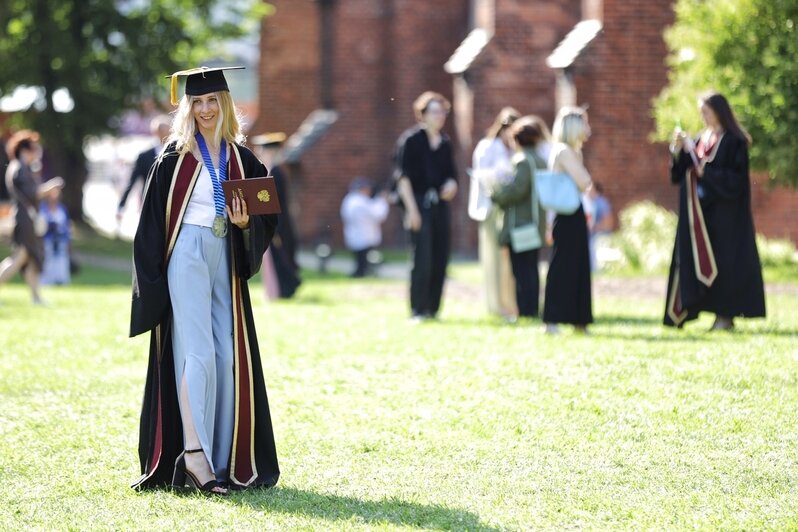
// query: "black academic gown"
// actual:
[[169, 186], [283, 247], [738, 290], [141, 168]]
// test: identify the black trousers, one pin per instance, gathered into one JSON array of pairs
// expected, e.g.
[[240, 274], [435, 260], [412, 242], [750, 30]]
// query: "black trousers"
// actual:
[[361, 262], [527, 281], [568, 292], [431, 245]]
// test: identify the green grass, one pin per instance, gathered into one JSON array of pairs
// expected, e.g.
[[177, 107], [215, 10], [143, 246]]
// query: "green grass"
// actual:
[[465, 424], [85, 239]]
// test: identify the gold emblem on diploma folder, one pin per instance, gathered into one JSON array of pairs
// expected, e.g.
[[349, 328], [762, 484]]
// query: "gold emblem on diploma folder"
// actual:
[[259, 193]]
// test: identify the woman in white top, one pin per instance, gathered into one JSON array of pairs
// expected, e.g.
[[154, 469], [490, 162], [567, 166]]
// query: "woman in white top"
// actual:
[[492, 167], [568, 291], [205, 420]]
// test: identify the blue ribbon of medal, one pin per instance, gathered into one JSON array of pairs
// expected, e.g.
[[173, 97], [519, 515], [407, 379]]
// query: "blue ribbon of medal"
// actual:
[[219, 222]]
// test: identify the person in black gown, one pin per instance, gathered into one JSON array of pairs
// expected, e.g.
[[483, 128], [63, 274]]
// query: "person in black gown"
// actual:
[[159, 126], [280, 258], [568, 291], [205, 419], [715, 264]]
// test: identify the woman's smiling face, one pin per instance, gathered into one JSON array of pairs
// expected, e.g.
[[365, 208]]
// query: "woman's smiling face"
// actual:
[[205, 109]]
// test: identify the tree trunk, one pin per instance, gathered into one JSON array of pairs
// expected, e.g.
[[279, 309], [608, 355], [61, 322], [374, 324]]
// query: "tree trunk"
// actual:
[[71, 165]]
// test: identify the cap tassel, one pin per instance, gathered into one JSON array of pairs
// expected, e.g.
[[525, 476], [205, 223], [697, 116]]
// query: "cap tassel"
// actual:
[[173, 90], [191, 71], [173, 87]]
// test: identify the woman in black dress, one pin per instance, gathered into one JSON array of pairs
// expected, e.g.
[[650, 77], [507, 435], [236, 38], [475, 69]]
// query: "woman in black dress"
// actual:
[[568, 297], [24, 151], [715, 263]]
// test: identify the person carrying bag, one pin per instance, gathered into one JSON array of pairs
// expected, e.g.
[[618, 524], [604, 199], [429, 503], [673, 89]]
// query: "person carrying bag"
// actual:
[[521, 230], [557, 192], [568, 297], [528, 236]]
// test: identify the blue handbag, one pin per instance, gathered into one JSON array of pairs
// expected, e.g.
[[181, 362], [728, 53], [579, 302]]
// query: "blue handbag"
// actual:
[[557, 192]]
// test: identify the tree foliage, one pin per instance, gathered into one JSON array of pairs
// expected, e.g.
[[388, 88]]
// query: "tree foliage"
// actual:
[[107, 54], [745, 49]]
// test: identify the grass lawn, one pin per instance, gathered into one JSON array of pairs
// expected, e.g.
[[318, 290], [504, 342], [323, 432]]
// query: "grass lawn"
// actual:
[[466, 423]]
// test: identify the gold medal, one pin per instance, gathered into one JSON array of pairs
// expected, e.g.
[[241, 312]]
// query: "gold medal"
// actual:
[[219, 227]]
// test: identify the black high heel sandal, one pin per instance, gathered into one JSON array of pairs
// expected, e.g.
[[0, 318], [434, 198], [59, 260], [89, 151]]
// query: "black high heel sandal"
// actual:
[[182, 477]]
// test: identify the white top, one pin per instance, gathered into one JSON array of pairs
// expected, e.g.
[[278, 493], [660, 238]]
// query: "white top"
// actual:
[[492, 165], [200, 209], [544, 150], [493, 155], [362, 217], [563, 158]]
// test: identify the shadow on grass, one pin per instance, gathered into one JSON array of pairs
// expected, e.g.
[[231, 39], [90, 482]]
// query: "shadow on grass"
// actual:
[[313, 300], [470, 322], [625, 319], [694, 334], [656, 338], [769, 331], [338, 508]]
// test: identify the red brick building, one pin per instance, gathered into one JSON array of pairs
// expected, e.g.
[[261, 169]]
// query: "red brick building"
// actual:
[[367, 60]]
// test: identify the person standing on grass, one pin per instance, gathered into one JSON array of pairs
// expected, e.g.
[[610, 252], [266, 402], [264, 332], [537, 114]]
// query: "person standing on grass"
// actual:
[[715, 264], [520, 207], [205, 418], [492, 166], [599, 220], [280, 268], [568, 296], [362, 216], [5, 195], [25, 153], [426, 183], [58, 238], [159, 126]]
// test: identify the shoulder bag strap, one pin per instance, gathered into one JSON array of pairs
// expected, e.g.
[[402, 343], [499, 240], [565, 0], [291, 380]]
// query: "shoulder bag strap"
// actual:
[[533, 200]]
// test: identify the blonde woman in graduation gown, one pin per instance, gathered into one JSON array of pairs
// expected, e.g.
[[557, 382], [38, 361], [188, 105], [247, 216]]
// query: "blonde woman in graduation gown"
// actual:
[[205, 420]]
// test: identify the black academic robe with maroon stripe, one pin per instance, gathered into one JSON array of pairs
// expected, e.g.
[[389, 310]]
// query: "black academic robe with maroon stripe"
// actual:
[[169, 186], [738, 290]]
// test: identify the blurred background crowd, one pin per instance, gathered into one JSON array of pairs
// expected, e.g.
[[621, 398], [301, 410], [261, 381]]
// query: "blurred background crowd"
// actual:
[[338, 79]]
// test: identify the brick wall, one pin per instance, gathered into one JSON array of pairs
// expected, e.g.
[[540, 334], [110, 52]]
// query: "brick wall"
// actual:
[[385, 53], [288, 87], [618, 75], [512, 71], [775, 209]]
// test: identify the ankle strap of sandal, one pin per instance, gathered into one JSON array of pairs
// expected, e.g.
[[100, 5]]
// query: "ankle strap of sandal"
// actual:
[[193, 450]]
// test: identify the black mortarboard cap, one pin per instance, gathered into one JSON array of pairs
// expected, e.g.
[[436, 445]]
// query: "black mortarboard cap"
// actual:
[[268, 139], [202, 80]]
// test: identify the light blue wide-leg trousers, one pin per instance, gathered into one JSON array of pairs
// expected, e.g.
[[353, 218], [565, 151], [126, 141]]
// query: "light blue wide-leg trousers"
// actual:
[[202, 338]]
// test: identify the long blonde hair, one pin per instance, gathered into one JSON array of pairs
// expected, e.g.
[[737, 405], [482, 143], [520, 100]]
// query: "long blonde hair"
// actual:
[[184, 127]]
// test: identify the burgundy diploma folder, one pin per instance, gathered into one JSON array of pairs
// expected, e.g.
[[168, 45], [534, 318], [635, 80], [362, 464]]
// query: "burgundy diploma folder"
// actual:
[[260, 194]]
